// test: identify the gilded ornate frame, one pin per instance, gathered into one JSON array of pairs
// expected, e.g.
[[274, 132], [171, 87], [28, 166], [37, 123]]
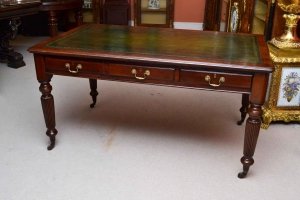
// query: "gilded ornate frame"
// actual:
[[271, 110]]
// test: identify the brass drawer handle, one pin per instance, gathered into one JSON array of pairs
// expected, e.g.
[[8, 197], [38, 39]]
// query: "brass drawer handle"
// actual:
[[78, 67], [221, 80], [146, 73]]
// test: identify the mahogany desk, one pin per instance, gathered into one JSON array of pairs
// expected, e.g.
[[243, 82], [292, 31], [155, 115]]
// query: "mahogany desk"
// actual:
[[184, 58]]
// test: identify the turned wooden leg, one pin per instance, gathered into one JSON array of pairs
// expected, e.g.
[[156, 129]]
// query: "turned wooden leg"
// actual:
[[78, 17], [52, 20], [93, 93], [48, 110], [244, 108], [251, 135]]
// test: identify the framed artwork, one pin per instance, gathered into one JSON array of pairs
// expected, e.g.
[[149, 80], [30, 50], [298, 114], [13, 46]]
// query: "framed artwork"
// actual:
[[87, 4], [289, 88], [153, 4]]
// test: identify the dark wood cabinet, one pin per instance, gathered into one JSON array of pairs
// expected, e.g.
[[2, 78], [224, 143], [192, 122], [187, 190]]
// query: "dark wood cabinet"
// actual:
[[240, 16], [236, 15], [212, 15], [111, 12], [277, 22], [116, 12], [268, 19], [251, 16], [154, 13]]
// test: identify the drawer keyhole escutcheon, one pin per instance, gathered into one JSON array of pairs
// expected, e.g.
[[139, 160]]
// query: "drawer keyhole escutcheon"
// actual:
[[146, 73], [221, 80], [78, 67]]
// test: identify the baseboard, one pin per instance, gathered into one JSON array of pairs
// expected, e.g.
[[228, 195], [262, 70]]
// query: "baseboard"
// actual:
[[131, 23], [181, 25], [188, 25]]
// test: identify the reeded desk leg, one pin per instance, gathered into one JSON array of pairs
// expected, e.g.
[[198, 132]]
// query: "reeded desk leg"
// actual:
[[250, 140], [93, 93], [244, 108], [48, 110]]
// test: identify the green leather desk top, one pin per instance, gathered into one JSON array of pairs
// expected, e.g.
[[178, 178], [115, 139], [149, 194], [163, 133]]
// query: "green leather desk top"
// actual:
[[163, 42], [163, 46]]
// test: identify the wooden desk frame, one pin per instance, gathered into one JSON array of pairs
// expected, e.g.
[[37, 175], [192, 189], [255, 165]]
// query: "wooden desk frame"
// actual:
[[164, 68]]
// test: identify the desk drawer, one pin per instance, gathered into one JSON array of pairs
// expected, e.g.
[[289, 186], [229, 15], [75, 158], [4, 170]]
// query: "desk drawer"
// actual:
[[141, 72], [74, 67], [216, 80]]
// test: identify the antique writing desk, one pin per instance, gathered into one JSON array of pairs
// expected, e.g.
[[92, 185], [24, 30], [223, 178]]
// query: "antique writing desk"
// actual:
[[193, 59]]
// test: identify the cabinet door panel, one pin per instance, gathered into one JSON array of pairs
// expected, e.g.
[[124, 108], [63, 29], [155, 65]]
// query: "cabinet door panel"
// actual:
[[154, 13]]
